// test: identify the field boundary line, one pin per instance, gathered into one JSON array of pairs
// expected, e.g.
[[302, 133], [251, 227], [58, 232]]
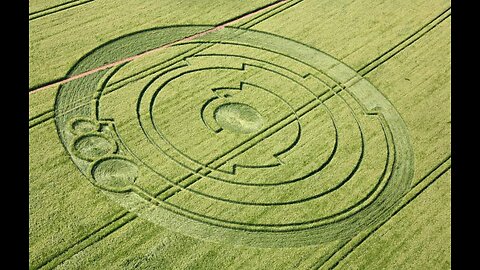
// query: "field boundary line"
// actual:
[[167, 45], [405, 43], [52, 7], [51, 82], [268, 14], [43, 117], [254, 12], [33, 118], [426, 181], [57, 8], [118, 221]]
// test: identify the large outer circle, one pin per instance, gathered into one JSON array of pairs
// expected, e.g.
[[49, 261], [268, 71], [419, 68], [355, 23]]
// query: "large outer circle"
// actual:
[[163, 213]]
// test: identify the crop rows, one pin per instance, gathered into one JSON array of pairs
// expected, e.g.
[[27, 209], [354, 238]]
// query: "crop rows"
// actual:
[[56, 8], [349, 246]]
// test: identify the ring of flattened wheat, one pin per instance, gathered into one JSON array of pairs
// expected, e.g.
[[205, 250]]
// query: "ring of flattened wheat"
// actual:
[[97, 149]]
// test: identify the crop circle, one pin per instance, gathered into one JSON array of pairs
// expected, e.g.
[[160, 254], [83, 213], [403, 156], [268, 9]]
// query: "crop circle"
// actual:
[[83, 125], [245, 137], [238, 117], [115, 173], [90, 146]]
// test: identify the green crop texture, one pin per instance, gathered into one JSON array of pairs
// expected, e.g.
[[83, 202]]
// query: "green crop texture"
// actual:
[[294, 134]]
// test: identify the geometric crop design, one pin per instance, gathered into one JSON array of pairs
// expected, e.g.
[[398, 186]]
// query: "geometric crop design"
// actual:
[[237, 136]]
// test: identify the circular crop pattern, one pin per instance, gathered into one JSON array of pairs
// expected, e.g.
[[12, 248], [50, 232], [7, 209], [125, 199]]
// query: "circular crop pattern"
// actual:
[[236, 136], [114, 173], [238, 117], [81, 126], [90, 146]]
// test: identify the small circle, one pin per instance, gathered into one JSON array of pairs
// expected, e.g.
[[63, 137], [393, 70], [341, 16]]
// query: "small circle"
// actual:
[[93, 145], [238, 117], [83, 125], [115, 173]]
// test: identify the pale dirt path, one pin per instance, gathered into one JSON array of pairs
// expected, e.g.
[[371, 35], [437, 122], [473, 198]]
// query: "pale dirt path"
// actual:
[[128, 59]]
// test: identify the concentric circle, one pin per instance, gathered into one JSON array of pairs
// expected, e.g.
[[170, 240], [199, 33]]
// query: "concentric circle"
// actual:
[[237, 136]]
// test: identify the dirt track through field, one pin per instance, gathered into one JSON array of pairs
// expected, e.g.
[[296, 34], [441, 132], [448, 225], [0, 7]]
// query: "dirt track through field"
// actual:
[[197, 35]]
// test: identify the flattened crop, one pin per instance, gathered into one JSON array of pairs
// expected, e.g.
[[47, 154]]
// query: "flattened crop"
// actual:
[[261, 140]]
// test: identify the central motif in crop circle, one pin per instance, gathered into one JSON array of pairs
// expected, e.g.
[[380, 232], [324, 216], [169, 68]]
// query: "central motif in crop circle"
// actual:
[[236, 136]]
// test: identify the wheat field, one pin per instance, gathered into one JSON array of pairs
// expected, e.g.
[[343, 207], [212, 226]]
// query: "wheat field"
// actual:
[[294, 134]]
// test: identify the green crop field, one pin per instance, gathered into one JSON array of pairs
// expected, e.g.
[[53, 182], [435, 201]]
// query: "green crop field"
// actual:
[[294, 134]]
